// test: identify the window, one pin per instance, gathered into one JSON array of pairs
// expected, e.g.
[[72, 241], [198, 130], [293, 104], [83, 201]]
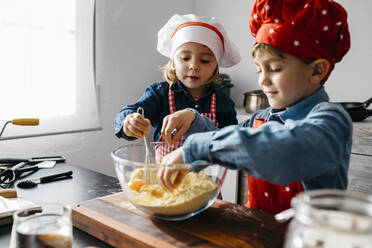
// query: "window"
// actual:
[[47, 66]]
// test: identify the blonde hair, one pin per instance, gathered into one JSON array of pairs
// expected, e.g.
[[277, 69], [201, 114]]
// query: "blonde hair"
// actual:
[[169, 73]]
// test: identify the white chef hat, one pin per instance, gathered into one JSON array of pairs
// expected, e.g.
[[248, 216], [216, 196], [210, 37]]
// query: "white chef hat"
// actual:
[[208, 31]]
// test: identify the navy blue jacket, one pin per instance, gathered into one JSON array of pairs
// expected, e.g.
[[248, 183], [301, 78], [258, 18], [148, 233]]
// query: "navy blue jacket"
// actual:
[[155, 104]]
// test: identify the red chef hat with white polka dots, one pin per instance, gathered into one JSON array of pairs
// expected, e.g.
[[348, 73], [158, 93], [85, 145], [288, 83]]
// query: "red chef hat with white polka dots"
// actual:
[[307, 29]]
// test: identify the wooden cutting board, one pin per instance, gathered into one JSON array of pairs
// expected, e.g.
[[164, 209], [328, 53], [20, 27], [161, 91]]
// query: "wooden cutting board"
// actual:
[[117, 222]]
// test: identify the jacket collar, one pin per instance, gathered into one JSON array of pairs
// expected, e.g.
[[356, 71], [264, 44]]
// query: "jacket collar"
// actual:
[[302, 108], [179, 87]]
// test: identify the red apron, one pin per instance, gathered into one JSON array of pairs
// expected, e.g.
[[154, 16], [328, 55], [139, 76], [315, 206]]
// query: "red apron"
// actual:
[[270, 197], [162, 150]]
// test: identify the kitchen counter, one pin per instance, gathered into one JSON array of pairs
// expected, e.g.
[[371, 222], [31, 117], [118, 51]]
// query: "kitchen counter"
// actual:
[[242, 115], [360, 170]]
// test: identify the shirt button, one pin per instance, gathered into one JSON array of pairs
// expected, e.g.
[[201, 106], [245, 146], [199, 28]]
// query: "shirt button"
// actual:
[[196, 106]]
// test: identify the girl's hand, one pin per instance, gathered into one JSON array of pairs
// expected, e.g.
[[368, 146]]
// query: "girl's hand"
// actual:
[[135, 125], [181, 121], [164, 173]]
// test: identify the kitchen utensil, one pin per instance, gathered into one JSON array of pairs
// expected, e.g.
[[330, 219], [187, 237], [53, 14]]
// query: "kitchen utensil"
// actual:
[[8, 193], [129, 166], [357, 110], [42, 165], [34, 160], [8, 176], [22, 122], [356, 105], [255, 100], [359, 114], [30, 183], [46, 164], [149, 157], [8, 205]]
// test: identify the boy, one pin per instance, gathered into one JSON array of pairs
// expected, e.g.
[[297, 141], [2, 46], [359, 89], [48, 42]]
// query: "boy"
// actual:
[[302, 141]]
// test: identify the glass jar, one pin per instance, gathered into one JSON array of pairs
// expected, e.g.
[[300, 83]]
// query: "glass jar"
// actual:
[[330, 218], [44, 225]]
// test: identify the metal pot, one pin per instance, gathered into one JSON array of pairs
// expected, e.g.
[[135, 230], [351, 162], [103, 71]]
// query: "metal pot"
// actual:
[[225, 85], [255, 100]]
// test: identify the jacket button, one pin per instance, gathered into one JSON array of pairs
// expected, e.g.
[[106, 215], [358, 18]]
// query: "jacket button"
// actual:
[[196, 106]]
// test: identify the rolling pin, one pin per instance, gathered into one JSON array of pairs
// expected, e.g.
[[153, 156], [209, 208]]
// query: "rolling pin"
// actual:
[[8, 193]]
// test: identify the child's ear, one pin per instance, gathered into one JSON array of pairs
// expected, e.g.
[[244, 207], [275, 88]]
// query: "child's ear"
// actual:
[[320, 68]]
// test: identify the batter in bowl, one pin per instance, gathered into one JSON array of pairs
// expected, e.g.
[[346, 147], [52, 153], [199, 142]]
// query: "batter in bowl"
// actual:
[[195, 190]]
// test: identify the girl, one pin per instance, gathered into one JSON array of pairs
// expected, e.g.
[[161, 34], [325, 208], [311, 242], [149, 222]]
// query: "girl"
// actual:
[[302, 141], [196, 47]]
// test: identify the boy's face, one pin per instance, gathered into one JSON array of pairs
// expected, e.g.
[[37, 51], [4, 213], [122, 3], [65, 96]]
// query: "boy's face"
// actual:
[[194, 65], [284, 79]]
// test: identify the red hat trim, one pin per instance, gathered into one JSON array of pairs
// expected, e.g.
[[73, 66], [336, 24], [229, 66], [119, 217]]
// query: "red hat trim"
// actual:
[[186, 24]]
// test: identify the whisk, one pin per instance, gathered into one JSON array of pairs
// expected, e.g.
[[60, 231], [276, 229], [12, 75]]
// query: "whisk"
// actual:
[[149, 157]]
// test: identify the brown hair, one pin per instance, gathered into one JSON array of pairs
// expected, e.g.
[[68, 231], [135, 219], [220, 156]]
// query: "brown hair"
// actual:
[[265, 47], [170, 76], [273, 50]]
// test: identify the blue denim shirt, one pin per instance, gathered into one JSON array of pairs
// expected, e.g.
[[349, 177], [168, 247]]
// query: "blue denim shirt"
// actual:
[[155, 104], [312, 144]]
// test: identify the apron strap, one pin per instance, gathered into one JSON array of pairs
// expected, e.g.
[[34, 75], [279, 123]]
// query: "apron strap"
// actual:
[[172, 107], [213, 106]]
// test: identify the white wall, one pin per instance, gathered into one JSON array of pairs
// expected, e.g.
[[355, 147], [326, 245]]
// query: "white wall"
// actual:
[[350, 81]]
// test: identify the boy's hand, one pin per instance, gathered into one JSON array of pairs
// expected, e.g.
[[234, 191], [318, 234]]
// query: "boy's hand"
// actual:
[[181, 121], [164, 173], [135, 125]]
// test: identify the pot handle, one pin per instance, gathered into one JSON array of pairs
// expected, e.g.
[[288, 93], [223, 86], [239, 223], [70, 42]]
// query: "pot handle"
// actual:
[[367, 103], [369, 112], [285, 215]]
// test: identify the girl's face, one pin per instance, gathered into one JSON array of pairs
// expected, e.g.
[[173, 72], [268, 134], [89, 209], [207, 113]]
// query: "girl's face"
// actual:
[[284, 79], [194, 64]]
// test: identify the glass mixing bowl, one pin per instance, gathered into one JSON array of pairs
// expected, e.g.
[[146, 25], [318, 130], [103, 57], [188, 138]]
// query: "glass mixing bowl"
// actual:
[[196, 192]]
